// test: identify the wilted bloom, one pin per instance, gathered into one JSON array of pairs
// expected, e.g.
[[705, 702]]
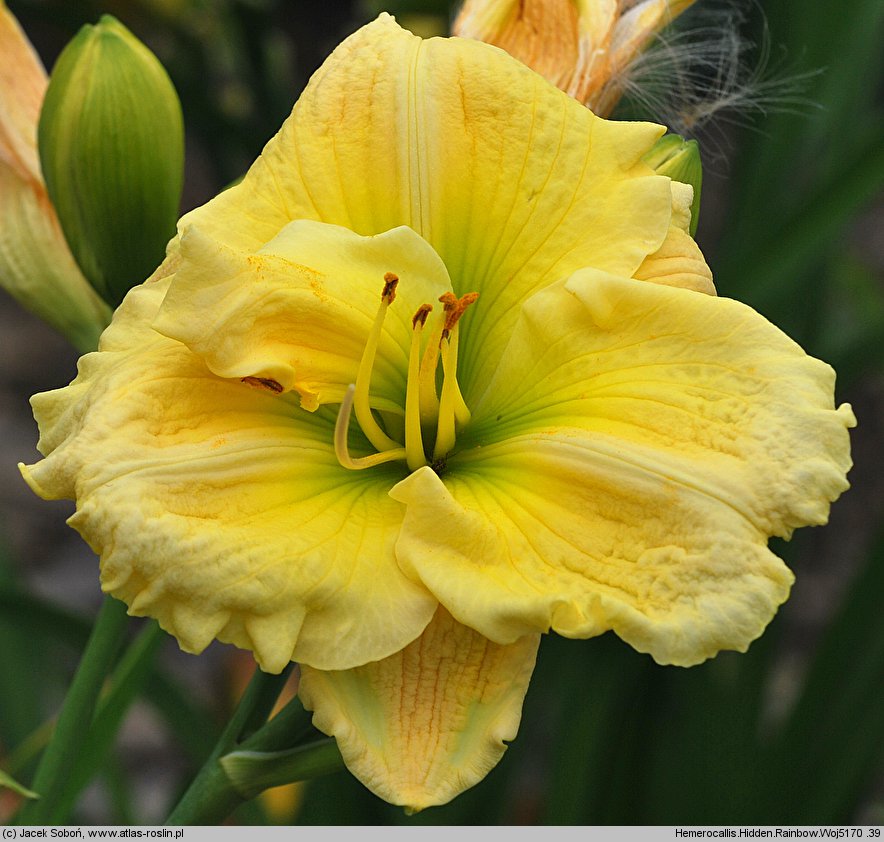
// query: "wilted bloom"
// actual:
[[444, 372], [112, 148], [36, 266], [584, 47]]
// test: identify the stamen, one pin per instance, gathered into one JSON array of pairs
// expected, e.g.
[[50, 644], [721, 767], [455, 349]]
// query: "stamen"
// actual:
[[263, 383], [429, 401], [342, 449], [361, 404], [391, 281], [445, 432], [421, 315], [414, 445], [462, 412], [453, 410], [455, 308]]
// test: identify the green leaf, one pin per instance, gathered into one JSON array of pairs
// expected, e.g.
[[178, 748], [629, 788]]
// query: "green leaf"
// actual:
[[70, 736], [10, 783], [126, 684], [772, 272], [23, 690], [834, 738]]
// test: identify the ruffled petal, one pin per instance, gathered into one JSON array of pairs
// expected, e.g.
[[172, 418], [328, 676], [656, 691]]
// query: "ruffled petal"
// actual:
[[678, 262], [420, 727], [513, 183], [625, 470], [297, 313], [220, 509]]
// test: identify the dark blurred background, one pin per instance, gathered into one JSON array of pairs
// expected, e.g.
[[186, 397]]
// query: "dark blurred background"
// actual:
[[792, 223]]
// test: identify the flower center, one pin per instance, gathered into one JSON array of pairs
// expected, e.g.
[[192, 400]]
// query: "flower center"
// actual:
[[433, 417]]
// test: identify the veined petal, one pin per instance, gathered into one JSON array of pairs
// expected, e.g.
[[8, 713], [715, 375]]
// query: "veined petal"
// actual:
[[513, 183], [297, 312], [37, 267], [678, 262], [423, 725], [638, 447], [220, 509]]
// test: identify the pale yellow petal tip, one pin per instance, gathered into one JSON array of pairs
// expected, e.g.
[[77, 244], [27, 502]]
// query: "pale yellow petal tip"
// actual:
[[27, 474], [845, 410], [422, 726]]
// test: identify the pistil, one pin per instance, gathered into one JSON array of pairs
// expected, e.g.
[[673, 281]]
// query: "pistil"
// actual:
[[342, 449], [424, 410]]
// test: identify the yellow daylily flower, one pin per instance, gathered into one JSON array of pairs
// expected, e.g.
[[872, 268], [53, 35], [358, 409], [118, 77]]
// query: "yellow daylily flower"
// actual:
[[584, 47], [36, 265], [444, 372]]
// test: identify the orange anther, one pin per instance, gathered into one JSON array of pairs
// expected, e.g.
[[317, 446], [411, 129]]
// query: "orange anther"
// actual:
[[391, 281], [420, 317]]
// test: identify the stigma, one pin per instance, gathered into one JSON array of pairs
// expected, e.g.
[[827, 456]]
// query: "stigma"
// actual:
[[433, 414]]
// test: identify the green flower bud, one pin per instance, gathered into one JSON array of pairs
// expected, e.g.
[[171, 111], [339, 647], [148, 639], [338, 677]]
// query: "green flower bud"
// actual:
[[678, 158], [111, 141]]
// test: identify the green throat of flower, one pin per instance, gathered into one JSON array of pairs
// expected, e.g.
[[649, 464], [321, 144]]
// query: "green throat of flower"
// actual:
[[433, 416]]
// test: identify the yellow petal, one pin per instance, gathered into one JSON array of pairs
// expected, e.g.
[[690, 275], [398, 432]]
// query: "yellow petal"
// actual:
[[514, 184], [423, 725], [638, 447], [679, 261], [36, 266], [298, 311], [220, 509]]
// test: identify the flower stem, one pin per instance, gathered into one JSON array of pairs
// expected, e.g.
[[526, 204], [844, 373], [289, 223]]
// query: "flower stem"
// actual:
[[254, 771], [71, 731], [211, 796]]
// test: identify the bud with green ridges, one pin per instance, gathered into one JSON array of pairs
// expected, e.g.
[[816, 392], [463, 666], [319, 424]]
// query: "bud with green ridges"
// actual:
[[111, 141], [678, 158]]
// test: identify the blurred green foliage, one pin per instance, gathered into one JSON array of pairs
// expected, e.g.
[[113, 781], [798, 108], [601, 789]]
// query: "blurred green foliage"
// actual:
[[607, 736]]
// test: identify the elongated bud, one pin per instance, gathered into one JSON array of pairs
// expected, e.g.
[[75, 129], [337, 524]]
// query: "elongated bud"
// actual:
[[111, 141], [678, 158], [36, 265]]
